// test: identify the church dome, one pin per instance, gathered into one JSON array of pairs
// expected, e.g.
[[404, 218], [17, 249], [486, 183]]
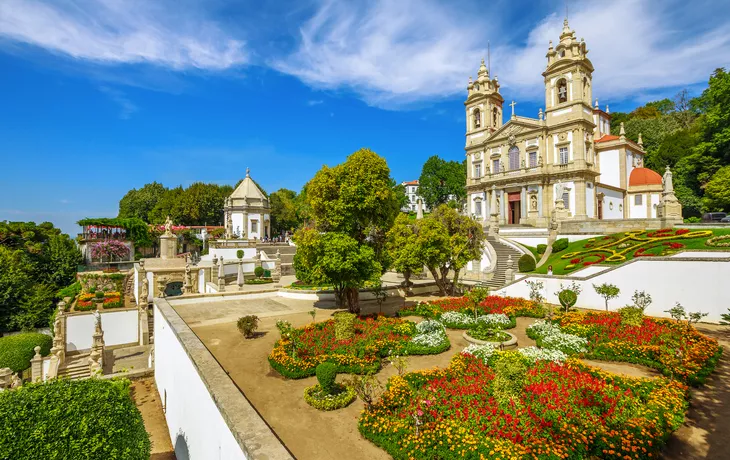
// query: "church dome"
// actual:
[[644, 176]]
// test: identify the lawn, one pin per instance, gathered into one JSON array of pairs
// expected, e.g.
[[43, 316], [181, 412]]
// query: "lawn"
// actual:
[[618, 248]]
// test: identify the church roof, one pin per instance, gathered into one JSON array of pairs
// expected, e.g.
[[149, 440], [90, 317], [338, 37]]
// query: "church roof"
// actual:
[[644, 176], [249, 190], [608, 138], [411, 182]]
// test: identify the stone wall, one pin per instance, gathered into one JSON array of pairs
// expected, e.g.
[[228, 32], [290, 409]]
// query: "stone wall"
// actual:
[[607, 226]]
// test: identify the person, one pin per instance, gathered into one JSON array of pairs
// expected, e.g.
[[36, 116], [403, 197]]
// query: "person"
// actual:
[[550, 270]]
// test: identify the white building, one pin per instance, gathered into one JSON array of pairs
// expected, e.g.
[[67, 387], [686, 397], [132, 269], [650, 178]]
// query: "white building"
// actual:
[[411, 188], [247, 211]]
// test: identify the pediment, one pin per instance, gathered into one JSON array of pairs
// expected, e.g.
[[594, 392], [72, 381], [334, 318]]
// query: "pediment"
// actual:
[[515, 127]]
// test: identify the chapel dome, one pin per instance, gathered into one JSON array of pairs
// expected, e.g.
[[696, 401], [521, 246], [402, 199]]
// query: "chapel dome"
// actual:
[[644, 176]]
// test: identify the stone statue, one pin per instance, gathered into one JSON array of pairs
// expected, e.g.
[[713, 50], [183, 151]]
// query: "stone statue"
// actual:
[[168, 226], [144, 294], [667, 181], [559, 191], [523, 164], [533, 202], [188, 284], [97, 320], [419, 212]]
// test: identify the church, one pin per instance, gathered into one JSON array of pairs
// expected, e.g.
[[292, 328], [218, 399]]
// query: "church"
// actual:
[[565, 162]]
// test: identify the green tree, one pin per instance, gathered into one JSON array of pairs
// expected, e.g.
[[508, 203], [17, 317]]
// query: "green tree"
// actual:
[[717, 191], [169, 204], [442, 181], [139, 203], [15, 283], [715, 122], [446, 242], [285, 212], [403, 248]]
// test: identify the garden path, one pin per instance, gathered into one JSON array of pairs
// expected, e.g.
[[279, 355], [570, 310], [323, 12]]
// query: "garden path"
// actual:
[[145, 395]]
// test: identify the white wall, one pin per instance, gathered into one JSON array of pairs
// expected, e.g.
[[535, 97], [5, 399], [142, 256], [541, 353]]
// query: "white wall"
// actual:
[[189, 408], [590, 200], [237, 223], [654, 204], [120, 327], [612, 196], [230, 253], [638, 211], [201, 281], [697, 285], [610, 168]]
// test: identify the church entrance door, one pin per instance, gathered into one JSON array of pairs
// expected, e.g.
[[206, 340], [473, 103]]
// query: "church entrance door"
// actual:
[[515, 205]]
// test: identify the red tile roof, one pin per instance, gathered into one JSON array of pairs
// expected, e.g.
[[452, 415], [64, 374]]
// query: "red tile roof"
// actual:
[[608, 137], [412, 182], [644, 176]]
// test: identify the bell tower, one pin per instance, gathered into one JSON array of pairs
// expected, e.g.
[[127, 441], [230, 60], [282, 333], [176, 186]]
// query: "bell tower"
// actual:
[[568, 78], [483, 103]]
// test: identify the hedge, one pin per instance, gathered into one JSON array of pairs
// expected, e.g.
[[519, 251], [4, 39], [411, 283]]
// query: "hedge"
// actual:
[[16, 351], [526, 263], [541, 248], [559, 245], [72, 419]]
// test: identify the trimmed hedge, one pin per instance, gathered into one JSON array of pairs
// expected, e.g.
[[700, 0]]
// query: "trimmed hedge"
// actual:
[[560, 244], [526, 263], [541, 248], [72, 419], [16, 351]]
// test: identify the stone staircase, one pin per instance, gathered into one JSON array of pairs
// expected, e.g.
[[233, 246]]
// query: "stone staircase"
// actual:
[[129, 285], [76, 367], [503, 252], [286, 253], [151, 327]]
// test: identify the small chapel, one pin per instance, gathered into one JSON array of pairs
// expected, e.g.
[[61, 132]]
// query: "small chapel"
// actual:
[[565, 162], [247, 212]]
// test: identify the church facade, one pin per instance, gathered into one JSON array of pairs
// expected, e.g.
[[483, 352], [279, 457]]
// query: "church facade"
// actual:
[[565, 159]]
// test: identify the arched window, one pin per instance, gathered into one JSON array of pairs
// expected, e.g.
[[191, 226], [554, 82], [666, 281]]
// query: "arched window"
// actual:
[[477, 119], [562, 91], [495, 117], [514, 158]]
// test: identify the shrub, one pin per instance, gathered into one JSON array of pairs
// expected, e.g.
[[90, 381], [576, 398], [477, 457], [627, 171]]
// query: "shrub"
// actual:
[[510, 370], [541, 248], [16, 351], [99, 294], [367, 387], [631, 316], [326, 374], [67, 419], [70, 291], [560, 244], [526, 263], [267, 273], [247, 325], [608, 292], [239, 253], [344, 326], [692, 220], [317, 398], [258, 271], [567, 298]]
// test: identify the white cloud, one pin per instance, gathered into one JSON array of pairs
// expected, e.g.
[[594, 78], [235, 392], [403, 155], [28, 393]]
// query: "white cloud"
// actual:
[[397, 53], [314, 102], [127, 107], [122, 31]]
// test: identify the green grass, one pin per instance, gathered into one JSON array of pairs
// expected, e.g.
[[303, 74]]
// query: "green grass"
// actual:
[[559, 264]]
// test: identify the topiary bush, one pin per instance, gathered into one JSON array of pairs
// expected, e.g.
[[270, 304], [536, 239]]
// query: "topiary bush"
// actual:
[[70, 419], [344, 326], [560, 244], [631, 316], [267, 273], [99, 294], [247, 325], [526, 263], [541, 248], [258, 271], [16, 351], [567, 298], [239, 253], [326, 374]]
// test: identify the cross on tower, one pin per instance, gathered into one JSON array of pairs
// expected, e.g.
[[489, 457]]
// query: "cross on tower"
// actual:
[[513, 104]]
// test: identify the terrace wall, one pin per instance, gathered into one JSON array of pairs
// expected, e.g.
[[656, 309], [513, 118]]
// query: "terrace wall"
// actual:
[[698, 283], [207, 415], [120, 328]]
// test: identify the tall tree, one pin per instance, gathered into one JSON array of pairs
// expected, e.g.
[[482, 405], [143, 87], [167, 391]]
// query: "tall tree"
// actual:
[[717, 191], [139, 203], [442, 181], [715, 123], [285, 212], [402, 245], [356, 198]]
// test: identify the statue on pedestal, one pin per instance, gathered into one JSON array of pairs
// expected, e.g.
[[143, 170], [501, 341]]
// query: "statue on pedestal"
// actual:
[[168, 226]]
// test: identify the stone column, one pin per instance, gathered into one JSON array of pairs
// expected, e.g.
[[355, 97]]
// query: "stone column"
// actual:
[[36, 366], [214, 270], [502, 207], [532, 207], [509, 273], [240, 279], [188, 284], [276, 274], [523, 205], [221, 275], [494, 213], [59, 334], [244, 230], [268, 227], [96, 357], [581, 212], [419, 213], [6, 378]]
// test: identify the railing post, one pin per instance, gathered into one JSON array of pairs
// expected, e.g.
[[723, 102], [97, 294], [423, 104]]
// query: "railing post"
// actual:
[[221, 275], [36, 366], [96, 357], [276, 276]]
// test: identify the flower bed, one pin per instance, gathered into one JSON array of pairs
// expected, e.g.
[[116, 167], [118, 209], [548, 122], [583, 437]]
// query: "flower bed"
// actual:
[[447, 309], [298, 353], [666, 345], [560, 411]]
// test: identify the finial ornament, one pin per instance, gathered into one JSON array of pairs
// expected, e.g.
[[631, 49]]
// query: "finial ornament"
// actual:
[[596, 102], [248, 172], [640, 141], [622, 131]]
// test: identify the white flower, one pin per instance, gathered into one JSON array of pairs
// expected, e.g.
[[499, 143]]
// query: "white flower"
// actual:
[[498, 320], [483, 352], [429, 325], [552, 337], [430, 339], [543, 354]]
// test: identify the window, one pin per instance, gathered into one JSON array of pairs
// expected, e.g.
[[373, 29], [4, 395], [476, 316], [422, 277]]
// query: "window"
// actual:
[[638, 200], [566, 199], [477, 119], [478, 207], [563, 155], [533, 159], [514, 158], [478, 170], [254, 226], [495, 166], [562, 91]]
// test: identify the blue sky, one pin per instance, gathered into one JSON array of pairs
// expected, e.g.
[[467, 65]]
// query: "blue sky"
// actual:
[[97, 97]]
